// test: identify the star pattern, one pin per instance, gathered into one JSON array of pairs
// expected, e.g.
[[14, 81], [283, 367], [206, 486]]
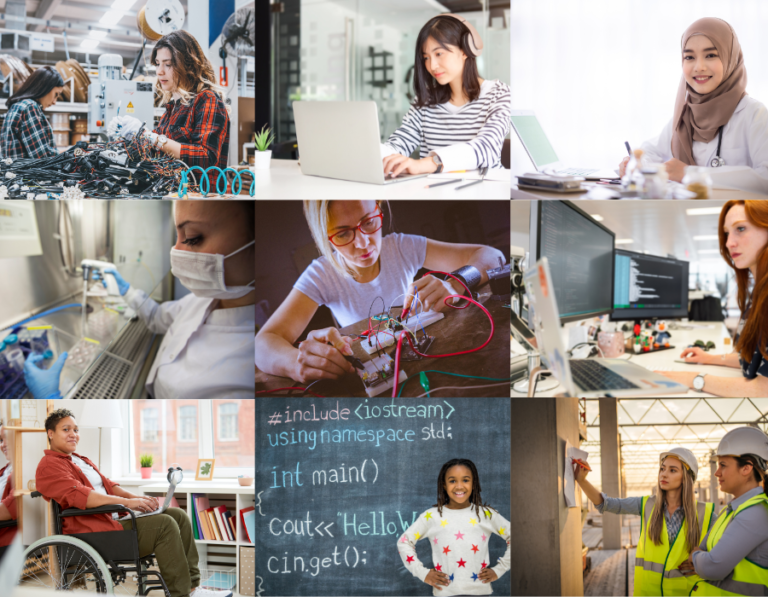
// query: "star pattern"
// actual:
[[474, 576], [459, 535], [501, 531], [446, 549], [416, 536], [475, 548], [488, 513], [409, 559], [484, 537], [472, 521], [428, 515], [444, 523], [451, 577], [404, 539], [461, 563], [483, 565], [435, 540], [439, 567]]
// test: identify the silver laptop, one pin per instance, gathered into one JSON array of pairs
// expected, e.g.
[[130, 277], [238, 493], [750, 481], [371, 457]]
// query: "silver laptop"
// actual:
[[541, 152], [174, 479], [341, 140], [589, 378]]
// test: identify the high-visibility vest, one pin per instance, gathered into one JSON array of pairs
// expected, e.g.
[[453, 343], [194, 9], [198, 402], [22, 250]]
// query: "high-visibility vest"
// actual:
[[747, 577], [656, 566]]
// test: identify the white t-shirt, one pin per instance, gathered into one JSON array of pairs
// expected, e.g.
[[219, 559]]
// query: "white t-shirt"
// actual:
[[4, 478], [350, 301], [90, 473]]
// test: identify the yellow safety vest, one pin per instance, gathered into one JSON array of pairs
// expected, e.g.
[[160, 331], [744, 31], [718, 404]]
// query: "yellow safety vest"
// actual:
[[747, 577], [656, 566]]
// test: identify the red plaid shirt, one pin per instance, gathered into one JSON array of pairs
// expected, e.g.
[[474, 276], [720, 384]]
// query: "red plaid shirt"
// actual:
[[202, 129]]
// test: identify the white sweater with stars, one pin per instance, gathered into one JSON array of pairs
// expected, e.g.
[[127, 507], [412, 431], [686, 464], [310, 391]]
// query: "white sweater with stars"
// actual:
[[459, 541]]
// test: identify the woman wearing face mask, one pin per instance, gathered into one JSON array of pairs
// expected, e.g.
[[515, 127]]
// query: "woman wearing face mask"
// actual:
[[8, 503], [743, 231], [733, 557], [458, 120], [673, 522], [358, 264], [206, 351], [714, 117]]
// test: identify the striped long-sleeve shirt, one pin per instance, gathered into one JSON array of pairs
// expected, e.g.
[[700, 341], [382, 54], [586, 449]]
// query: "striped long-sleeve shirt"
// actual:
[[26, 132], [466, 137]]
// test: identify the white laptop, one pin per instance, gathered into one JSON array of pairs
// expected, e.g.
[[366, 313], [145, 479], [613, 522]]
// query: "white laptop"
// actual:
[[541, 152], [174, 478], [588, 378], [341, 140]]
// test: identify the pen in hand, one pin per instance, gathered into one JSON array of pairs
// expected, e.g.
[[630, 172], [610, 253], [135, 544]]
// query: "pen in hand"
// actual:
[[629, 151]]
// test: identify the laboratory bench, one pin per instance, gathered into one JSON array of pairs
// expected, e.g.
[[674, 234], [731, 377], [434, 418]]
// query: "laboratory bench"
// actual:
[[284, 180], [459, 330], [714, 331]]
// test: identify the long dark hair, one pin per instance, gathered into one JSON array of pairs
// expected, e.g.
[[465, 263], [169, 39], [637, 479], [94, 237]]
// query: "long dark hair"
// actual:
[[37, 85], [474, 498], [444, 30], [758, 468]]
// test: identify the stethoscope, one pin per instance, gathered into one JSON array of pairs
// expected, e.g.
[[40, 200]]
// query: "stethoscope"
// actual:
[[718, 161]]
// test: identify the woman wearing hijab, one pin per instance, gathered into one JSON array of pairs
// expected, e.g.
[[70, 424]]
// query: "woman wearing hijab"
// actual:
[[714, 119]]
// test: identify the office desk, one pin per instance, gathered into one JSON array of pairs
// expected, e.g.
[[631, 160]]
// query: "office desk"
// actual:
[[665, 360], [284, 180], [528, 194], [461, 329]]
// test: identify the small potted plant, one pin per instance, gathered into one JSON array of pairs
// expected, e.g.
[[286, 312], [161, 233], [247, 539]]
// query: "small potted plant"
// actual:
[[146, 465], [263, 139]]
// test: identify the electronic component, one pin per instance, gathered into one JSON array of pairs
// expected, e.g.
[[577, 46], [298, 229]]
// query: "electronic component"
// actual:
[[378, 375], [422, 345], [385, 338]]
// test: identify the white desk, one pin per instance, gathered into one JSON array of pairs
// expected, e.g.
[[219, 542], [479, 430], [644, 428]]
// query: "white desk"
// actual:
[[665, 360], [284, 180], [529, 194]]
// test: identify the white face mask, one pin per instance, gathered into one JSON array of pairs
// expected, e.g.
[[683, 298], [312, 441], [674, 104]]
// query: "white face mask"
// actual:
[[203, 274]]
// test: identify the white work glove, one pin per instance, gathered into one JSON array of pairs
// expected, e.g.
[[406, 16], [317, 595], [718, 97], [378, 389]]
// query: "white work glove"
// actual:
[[124, 126]]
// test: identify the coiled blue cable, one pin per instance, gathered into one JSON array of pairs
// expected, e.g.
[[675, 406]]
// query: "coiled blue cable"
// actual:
[[205, 188]]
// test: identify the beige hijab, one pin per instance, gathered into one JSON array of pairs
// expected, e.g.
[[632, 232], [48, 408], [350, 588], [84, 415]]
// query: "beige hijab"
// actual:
[[699, 116]]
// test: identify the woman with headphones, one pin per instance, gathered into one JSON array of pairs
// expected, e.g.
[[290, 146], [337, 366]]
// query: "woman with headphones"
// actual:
[[458, 120]]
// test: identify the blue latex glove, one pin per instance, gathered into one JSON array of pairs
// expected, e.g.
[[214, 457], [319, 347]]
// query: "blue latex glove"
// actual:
[[122, 285], [124, 126], [43, 383]]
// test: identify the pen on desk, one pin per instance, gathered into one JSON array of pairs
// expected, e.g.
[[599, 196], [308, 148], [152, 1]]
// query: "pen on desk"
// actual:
[[629, 151], [437, 184]]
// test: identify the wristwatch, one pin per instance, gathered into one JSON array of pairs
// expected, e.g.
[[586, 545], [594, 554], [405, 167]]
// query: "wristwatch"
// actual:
[[438, 162], [161, 141], [698, 382]]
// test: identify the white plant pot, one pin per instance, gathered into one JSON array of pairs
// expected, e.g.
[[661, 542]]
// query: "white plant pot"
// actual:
[[263, 159]]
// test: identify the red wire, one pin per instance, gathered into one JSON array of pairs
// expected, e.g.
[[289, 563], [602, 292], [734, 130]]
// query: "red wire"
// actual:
[[280, 389], [397, 362], [459, 281]]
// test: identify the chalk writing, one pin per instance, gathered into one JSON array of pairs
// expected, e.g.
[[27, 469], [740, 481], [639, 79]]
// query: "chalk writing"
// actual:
[[350, 559], [340, 436]]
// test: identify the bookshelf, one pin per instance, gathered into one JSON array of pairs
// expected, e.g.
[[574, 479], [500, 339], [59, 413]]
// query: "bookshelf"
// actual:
[[227, 492]]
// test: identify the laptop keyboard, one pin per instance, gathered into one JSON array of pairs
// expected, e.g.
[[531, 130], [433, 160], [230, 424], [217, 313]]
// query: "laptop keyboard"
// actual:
[[576, 171], [593, 376]]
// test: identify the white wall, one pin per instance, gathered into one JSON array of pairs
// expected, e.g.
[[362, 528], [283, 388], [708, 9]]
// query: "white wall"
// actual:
[[601, 72]]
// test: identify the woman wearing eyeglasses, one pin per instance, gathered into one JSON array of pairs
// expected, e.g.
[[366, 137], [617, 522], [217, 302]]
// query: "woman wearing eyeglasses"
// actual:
[[357, 265]]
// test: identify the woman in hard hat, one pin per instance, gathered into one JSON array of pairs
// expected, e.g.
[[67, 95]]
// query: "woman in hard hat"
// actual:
[[195, 126], [26, 132], [743, 230], [733, 557], [666, 538]]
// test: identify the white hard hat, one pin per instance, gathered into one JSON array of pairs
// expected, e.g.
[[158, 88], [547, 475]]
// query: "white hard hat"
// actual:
[[683, 455], [744, 440]]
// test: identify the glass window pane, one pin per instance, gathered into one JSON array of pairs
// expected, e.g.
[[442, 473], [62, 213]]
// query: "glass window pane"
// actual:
[[234, 433]]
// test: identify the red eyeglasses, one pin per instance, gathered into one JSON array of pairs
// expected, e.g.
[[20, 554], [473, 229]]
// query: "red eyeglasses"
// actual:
[[367, 226]]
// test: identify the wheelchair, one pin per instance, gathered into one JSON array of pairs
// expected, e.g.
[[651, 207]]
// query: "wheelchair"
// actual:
[[5, 524], [97, 562]]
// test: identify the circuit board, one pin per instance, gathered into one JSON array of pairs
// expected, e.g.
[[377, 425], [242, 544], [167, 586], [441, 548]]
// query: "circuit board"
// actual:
[[387, 338], [379, 375], [422, 345]]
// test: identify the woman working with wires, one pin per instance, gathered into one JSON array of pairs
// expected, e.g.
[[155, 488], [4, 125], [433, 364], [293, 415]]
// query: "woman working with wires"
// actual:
[[26, 132], [195, 126], [361, 273]]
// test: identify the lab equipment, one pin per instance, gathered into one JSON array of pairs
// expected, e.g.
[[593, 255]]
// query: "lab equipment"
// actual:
[[649, 287], [718, 160], [633, 178], [89, 266], [580, 254], [697, 180], [103, 324], [17, 348], [383, 339], [379, 375]]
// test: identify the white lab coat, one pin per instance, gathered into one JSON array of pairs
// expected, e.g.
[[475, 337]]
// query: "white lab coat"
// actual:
[[206, 352], [744, 149]]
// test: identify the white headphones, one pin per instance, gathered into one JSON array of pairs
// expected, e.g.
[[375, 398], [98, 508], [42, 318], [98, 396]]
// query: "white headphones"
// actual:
[[475, 42]]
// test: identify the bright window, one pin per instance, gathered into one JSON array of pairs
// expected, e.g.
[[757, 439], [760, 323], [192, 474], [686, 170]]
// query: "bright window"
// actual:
[[149, 425], [188, 423], [228, 428]]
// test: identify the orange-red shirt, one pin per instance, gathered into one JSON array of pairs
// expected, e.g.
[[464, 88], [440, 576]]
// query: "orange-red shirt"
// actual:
[[7, 534], [60, 479]]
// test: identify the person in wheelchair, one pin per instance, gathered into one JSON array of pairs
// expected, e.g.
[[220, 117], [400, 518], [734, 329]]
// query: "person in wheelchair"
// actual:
[[7, 501], [73, 481]]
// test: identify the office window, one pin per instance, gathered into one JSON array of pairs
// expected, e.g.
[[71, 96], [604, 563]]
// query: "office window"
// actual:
[[149, 425], [188, 423], [228, 422]]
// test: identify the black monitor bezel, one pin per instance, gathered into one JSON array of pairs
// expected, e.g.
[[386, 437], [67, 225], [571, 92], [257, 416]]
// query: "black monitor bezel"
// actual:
[[640, 316], [581, 212]]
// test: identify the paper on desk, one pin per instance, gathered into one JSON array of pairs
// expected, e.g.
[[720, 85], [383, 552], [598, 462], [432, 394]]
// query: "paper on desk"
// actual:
[[742, 178], [497, 174], [569, 482]]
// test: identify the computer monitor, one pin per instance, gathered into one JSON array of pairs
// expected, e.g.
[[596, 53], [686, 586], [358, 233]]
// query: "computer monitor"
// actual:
[[580, 254], [648, 287]]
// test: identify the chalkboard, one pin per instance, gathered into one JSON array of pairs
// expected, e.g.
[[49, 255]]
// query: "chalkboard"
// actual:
[[339, 480]]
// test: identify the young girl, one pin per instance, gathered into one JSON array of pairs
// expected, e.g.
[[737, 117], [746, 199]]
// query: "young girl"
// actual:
[[357, 266], [743, 231], [458, 529], [672, 525], [457, 120], [714, 116], [733, 557]]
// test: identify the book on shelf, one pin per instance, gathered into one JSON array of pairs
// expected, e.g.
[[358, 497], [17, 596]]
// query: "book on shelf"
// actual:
[[248, 518], [212, 521], [221, 521], [201, 505]]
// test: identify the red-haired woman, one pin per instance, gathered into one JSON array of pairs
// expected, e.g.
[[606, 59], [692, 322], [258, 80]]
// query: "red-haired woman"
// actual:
[[195, 126], [743, 231]]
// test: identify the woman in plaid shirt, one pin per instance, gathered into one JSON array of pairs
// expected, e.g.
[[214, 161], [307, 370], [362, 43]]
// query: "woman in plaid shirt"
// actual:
[[26, 132], [195, 126]]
